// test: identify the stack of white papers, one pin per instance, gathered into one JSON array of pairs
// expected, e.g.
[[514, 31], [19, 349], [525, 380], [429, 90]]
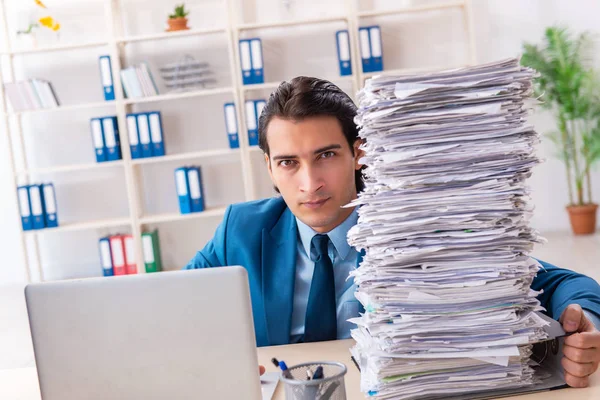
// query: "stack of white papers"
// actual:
[[446, 278]]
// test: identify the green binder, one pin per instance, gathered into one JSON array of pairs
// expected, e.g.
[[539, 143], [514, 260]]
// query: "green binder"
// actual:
[[151, 251]]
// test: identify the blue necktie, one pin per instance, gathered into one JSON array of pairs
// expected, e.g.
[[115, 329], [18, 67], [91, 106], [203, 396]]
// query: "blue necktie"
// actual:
[[321, 317]]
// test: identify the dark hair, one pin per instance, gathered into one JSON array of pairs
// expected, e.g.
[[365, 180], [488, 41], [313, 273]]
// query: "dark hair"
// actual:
[[305, 97]]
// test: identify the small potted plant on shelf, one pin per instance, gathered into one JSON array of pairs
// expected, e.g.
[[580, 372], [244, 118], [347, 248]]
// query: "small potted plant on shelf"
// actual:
[[570, 89], [178, 20]]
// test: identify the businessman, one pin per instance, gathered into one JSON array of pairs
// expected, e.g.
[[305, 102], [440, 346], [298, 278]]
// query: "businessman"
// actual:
[[294, 247]]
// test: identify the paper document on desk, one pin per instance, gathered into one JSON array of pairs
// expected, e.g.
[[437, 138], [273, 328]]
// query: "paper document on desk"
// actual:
[[444, 220], [268, 384]]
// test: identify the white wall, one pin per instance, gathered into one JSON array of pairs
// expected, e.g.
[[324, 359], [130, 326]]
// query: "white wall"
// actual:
[[419, 40]]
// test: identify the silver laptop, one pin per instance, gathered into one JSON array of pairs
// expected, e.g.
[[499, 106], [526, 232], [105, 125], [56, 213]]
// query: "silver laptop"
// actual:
[[169, 335]]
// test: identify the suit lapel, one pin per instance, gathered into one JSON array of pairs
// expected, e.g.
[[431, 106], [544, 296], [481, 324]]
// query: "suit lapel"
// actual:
[[278, 277]]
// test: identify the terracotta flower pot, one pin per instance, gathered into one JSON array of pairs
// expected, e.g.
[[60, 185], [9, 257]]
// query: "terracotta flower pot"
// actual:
[[583, 218], [177, 24]]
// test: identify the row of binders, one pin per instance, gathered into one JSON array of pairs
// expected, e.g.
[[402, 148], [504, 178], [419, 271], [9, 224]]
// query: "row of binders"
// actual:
[[253, 110], [145, 130], [32, 94], [145, 133], [137, 80], [188, 183], [117, 254], [105, 136], [371, 51], [37, 206]]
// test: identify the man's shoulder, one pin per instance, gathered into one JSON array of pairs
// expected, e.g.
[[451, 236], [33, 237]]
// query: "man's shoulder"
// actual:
[[258, 214]]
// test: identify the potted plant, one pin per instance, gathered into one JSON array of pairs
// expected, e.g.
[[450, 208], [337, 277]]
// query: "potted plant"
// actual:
[[570, 89], [178, 20]]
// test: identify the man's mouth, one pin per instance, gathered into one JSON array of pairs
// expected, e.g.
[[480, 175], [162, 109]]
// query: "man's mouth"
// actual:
[[315, 203]]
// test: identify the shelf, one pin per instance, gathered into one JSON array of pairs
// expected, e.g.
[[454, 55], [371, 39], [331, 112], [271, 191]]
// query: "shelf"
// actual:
[[155, 219], [170, 35], [72, 168], [406, 10], [82, 226], [185, 156], [56, 48], [73, 107], [409, 71], [182, 95], [295, 22], [261, 86], [275, 85]]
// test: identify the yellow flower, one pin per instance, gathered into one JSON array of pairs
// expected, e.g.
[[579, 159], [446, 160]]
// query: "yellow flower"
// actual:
[[48, 22], [39, 3]]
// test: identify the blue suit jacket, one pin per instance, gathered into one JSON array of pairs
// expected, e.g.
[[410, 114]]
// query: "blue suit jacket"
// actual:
[[261, 236]]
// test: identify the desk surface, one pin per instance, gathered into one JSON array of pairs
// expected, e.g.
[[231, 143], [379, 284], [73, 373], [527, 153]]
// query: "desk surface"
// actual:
[[22, 384], [338, 351]]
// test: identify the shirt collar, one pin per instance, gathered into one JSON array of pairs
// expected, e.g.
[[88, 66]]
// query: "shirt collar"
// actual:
[[337, 235]]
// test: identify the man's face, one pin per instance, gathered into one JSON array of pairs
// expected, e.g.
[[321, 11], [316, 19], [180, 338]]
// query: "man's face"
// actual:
[[313, 167]]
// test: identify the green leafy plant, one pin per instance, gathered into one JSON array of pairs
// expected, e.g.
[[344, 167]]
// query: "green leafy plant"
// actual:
[[570, 89], [180, 12], [29, 29]]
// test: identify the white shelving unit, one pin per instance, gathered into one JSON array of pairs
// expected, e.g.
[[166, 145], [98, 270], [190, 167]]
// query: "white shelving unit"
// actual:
[[115, 43]]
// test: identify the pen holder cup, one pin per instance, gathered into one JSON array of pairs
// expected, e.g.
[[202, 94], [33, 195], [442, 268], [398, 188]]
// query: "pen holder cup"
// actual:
[[331, 387]]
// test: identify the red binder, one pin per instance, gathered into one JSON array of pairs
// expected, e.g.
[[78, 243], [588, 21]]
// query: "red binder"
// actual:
[[130, 265], [117, 249]]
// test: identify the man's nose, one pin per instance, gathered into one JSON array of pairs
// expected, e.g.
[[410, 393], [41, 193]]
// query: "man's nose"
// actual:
[[310, 179]]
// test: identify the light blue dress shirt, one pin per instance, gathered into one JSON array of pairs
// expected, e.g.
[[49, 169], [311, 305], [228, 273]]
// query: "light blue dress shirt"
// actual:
[[344, 259]]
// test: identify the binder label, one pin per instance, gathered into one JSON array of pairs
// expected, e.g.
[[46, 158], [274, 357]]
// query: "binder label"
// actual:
[[36, 201], [155, 130], [105, 254], [375, 42], [129, 253], [257, 62], [97, 134], [194, 184], [259, 108], [109, 133], [245, 55], [49, 199], [148, 249], [24, 202], [117, 252], [250, 115], [231, 122], [365, 49], [143, 129], [180, 182], [344, 46], [132, 129], [105, 68]]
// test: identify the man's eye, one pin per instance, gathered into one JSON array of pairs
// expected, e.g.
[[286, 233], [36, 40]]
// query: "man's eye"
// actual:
[[328, 154], [286, 163]]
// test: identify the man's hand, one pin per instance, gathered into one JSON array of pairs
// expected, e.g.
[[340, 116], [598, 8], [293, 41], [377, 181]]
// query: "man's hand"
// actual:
[[261, 370], [581, 349]]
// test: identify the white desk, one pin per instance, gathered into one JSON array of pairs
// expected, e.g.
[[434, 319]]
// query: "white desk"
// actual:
[[22, 384], [338, 351]]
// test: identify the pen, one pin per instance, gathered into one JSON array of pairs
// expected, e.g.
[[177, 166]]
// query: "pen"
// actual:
[[284, 370], [283, 367], [309, 374], [318, 373]]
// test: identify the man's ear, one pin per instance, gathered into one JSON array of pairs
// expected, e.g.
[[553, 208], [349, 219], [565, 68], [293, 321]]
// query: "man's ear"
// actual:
[[358, 153], [268, 162]]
